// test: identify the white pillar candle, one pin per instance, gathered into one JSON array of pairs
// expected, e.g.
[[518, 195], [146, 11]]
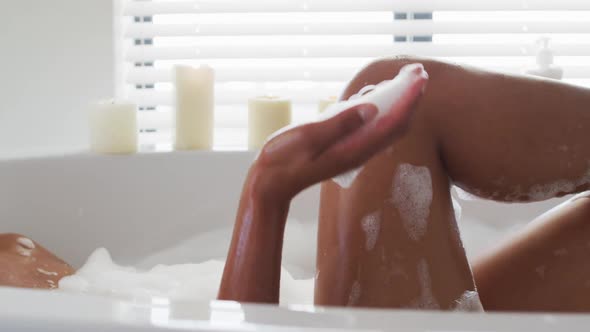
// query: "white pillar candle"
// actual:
[[266, 114], [194, 108], [324, 103], [113, 127]]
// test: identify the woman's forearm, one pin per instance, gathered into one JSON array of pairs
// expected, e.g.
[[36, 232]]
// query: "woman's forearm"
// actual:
[[253, 271]]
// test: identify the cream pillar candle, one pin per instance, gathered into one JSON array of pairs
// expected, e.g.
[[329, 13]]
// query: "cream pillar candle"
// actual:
[[194, 108], [266, 114], [113, 127], [324, 103]]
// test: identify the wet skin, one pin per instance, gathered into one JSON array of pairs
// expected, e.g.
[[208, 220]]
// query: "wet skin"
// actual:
[[29, 266]]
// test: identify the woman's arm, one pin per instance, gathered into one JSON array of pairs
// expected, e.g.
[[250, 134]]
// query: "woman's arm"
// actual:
[[291, 162]]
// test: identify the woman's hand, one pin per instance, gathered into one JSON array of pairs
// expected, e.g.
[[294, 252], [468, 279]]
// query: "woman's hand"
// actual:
[[307, 154], [24, 263]]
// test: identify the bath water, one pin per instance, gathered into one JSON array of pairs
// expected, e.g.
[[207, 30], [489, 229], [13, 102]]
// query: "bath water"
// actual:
[[194, 266], [190, 282]]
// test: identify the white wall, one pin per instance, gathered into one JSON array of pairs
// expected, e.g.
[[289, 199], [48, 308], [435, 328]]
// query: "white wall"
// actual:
[[56, 56]]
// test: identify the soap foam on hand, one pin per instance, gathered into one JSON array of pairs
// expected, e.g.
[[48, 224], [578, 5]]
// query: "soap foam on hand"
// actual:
[[384, 96]]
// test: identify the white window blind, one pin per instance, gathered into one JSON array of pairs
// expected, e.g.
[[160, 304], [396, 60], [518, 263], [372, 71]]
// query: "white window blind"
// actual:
[[308, 49]]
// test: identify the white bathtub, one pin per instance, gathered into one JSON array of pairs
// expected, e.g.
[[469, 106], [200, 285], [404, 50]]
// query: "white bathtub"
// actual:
[[138, 205]]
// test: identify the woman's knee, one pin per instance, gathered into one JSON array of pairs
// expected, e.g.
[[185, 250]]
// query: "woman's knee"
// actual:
[[382, 69]]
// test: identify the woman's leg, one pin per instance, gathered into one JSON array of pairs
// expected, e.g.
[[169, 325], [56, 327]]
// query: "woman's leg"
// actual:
[[390, 240], [544, 267], [24, 263]]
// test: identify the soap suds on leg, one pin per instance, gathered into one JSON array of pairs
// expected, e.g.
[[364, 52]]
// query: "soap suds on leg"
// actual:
[[26, 243], [426, 300], [371, 225], [469, 301], [464, 195], [412, 196], [47, 273], [355, 293], [24, 246], [543, 191]]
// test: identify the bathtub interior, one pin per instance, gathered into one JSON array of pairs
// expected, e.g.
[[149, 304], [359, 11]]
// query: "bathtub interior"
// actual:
[[179, 207]]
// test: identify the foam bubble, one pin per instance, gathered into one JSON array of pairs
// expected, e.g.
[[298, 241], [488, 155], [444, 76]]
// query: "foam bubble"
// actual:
[[544, 191], [23, 252], [101, 276], [24, 246], [297, 258], [47, 273], [26, 243], [355, 293], [540, 270], [214, 244], [412, 196], [469, 301], [371, 225], [540, 192], [464, 195], [426, 300], [383, 95]]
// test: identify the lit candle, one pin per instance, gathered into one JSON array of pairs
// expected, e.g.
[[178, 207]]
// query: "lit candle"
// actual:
[[194, 108], [324, 103], [266, 114], [113, 127]]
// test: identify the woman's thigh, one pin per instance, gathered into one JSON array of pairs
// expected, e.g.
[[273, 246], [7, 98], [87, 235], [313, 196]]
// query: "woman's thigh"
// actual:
[[545, 267]]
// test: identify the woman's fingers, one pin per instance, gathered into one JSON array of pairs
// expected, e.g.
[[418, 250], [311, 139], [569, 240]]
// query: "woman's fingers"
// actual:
[[356, 148], [323, 135], [310, 140], [304, 155]]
